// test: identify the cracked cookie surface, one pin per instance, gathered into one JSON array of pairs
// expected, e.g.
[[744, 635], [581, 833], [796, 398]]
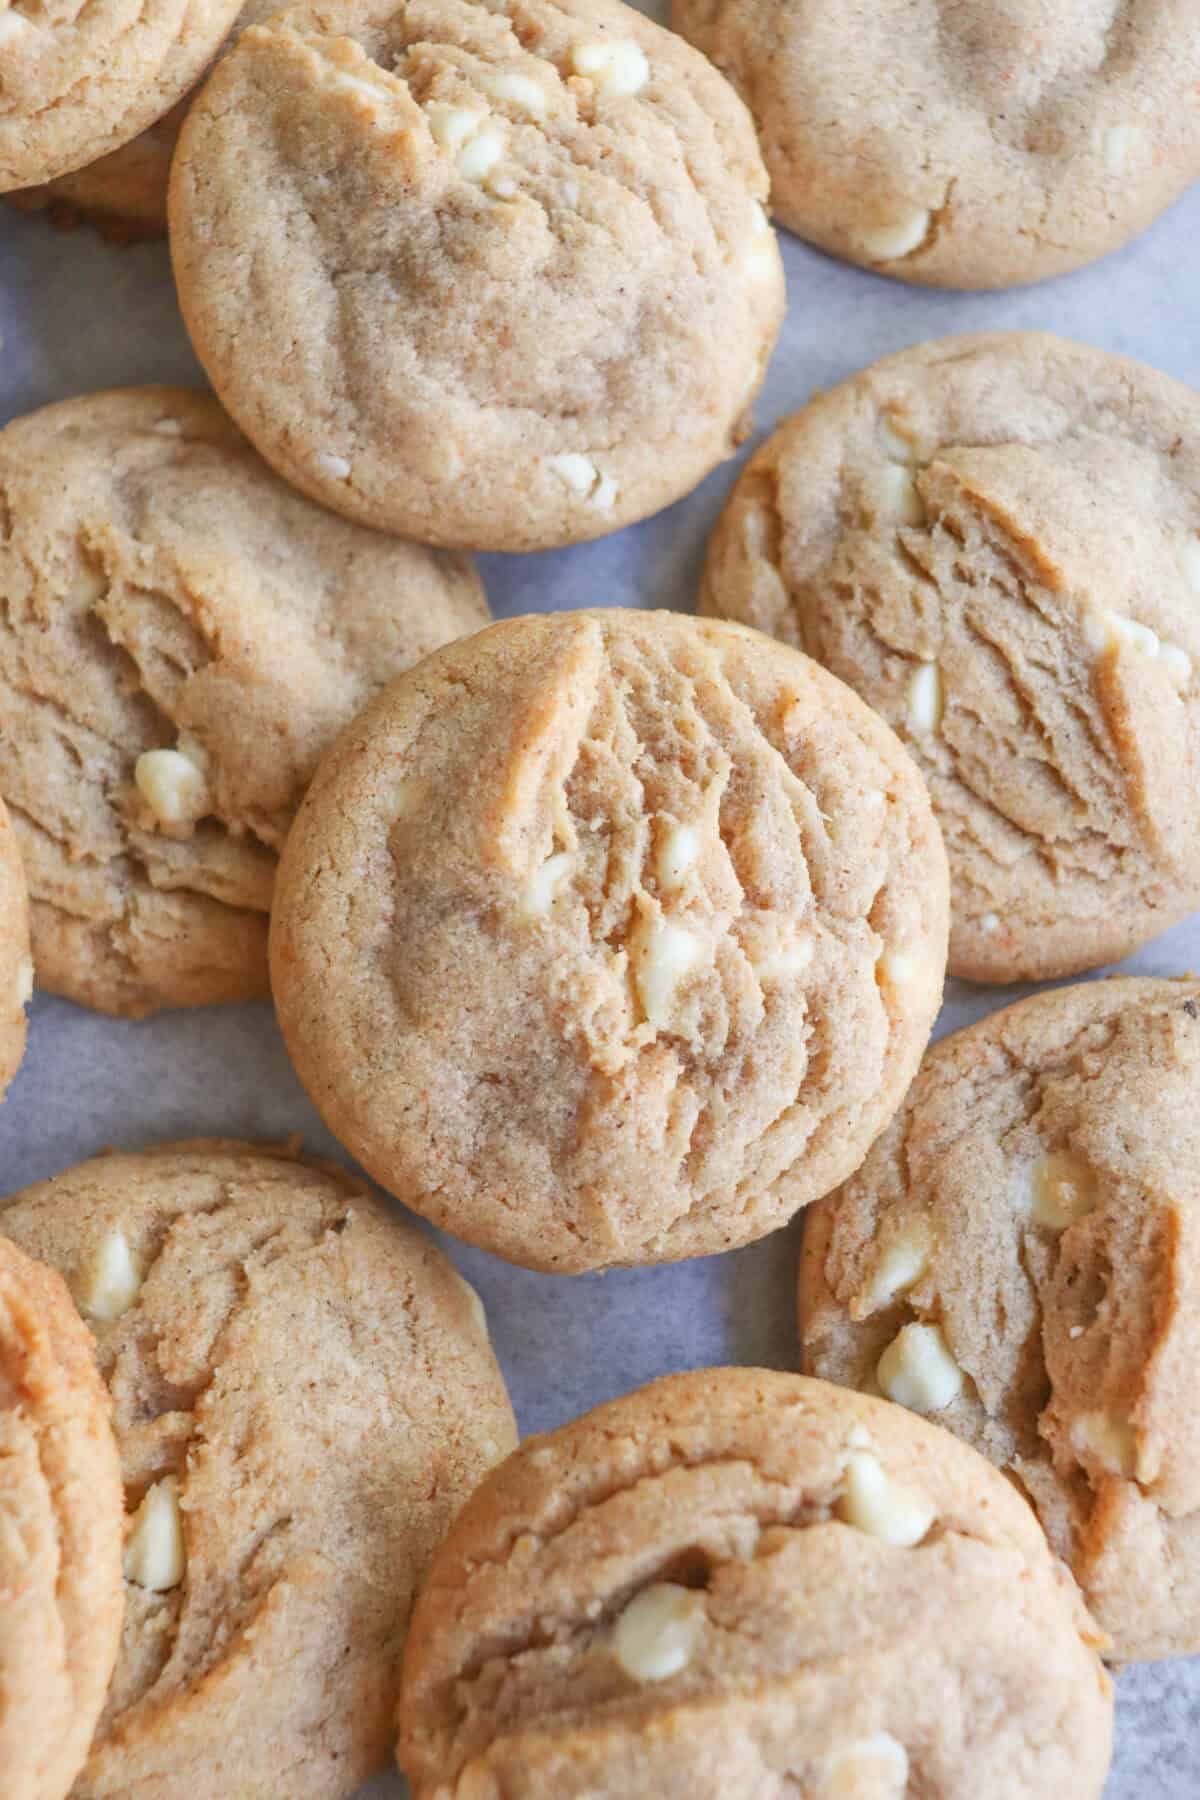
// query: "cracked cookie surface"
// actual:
[[750, 1585], [996, 541], [304, 1394], [180, 637], [1017, 1259], [79, 78], [971, 145], [16, 964], [60, 1533], [611, 937], [515, 286]]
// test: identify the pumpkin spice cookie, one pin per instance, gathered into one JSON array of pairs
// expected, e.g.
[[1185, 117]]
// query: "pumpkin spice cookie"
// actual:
[[611, 937], [972, 144], [304, 1394], [996, 541], [81, 80], [16, 964], [741, 1584], [61, 1513], [517, 250], [180, 638], [1017, 1259]]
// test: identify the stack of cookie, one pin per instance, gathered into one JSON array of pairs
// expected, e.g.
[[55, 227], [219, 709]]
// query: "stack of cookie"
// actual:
[[605, 938]]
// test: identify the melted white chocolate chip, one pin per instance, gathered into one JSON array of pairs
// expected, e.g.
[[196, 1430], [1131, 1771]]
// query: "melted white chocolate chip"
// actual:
[[1121, 144], [617, 66], [172, 785], [873, 1502], [918, 1371], [480, 154], [894, 238], [111, 1281], [155, 1555], [545, 882], [678, 853], [893, 441], [657, 1634], [926, 698], [876, 1766], [14, 25], [903, 1262], [1105, 631], [663, 954], [582, 476], [1108, 1440], [1064, 1189], [892, 497], [452, 126], [520, 91]]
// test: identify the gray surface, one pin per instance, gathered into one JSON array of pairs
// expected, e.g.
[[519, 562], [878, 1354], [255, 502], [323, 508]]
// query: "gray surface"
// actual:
[[76, 315]]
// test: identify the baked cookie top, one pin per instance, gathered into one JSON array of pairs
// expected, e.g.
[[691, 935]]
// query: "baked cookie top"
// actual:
[[996, 541], [16, 964], [964, 143], [517, 249], [1019, 1256], [611, 937], [61, 1514], [736, 1570], [304, 1395], [81, 79], [180, 637]]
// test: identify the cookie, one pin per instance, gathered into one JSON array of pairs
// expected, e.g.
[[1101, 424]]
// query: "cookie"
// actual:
[[611, 937], [61, 1515], [733, 1583], [975, 145], [80, 81], [16, 964], [304, 1395], [1018, 1258], [517, 249], [996, 541], [181, 636]]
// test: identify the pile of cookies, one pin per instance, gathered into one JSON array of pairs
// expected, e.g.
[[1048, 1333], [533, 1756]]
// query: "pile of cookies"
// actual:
[[603, 938]]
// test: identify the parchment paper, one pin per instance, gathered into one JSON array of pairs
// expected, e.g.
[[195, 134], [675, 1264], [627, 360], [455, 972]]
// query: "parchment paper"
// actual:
[[77, 315]]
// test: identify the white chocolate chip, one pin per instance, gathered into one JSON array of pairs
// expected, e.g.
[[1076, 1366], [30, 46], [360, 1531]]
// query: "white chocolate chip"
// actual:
[[926, 698], [1187, 555], [902, 1264], [584, 478], [23, 986], [475, 1303], [168, 427], [502, 186], [677, 856], [657, 1634], [790, 956], [355, 84], [876, 1766], [873, 1502], [1177, 663], [898, 237], [892, 497], [452, 126], [762, 256], [1107, 1440], [336, 467], [112, 1279], [1121, 143], [1105, 630], [155, 1556], [479, 156], [521, 91], [1076, 1331], [546, 881], [663, 954], [1064, 1189], [617, 66], [14, 25], [172, 785], [990, 922], [894, 443], [918, 1371], [897, 969]]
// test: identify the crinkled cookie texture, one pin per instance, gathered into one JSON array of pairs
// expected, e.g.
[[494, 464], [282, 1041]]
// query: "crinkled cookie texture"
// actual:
[[1019, 1257], [16, 964], [304, 1395], [964, 143], [181, 636], [61, 1513], [78, 80], [996, 541], [515, 285], [611, 937], [750, 1585]]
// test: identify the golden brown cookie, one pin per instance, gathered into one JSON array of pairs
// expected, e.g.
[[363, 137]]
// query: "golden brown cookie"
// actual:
[[517, 248], [16, 964], [964, 143], [611, 937], [181, 635], [81, 80], [1019, 1258], [61, 1516], [742, 1584], [304, 1396], [996, 541]]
